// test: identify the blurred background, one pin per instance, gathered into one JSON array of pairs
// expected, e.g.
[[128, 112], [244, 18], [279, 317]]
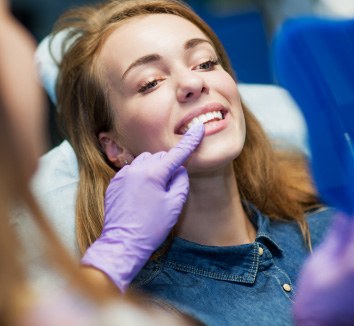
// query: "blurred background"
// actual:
[[245, 27]]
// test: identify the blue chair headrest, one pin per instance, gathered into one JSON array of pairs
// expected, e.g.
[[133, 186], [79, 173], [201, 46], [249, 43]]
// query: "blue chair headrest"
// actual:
[[314, 60]]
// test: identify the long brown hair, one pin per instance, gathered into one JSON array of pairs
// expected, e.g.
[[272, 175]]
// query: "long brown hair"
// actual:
[[277, 183]]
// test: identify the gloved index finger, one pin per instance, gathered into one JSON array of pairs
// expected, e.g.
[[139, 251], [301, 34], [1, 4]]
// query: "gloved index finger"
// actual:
[[176, 156]]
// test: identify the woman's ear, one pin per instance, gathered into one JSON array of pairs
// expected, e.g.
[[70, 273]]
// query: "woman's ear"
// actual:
[[116, 154]]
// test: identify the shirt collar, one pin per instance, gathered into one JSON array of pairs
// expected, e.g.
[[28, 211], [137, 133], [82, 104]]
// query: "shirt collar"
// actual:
[[232, 263], [263, 227]]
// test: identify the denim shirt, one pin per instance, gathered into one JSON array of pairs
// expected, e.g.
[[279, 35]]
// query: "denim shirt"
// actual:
[[250, 284]]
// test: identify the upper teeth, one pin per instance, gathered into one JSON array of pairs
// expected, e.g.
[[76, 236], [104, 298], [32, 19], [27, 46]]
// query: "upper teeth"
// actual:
[[203, 118]]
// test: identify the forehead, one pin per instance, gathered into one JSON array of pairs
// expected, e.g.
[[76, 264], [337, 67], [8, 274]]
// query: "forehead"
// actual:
[[141, 35]]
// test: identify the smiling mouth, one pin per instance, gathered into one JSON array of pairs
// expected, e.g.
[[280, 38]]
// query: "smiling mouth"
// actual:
[[204, 118]]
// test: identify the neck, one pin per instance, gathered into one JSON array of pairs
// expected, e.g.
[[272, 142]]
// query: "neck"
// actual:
[[213, 214]]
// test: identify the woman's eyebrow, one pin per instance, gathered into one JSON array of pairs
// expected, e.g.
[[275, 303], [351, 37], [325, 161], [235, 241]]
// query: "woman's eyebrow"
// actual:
[[142, 61], [190, 44]]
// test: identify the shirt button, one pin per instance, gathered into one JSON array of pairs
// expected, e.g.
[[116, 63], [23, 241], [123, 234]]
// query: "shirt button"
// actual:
[[260, 251], [286, 287]]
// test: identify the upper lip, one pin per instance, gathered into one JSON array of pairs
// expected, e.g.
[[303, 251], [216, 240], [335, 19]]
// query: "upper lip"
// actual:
[[201, 110]]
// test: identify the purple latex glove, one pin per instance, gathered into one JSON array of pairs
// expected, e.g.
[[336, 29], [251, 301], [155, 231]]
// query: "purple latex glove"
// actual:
[[142, 204], [326, 285]]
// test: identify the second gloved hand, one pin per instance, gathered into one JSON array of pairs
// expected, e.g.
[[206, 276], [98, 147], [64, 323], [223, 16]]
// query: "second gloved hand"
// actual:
[[326, 286], [142, 204]]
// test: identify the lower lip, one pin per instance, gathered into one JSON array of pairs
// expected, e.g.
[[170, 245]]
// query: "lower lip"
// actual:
[[216, 126]]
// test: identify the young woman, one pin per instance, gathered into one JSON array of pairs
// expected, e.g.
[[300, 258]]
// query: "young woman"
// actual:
[[136, 77]]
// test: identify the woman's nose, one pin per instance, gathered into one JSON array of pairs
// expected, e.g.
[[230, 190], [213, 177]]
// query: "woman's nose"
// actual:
[[190, 87]]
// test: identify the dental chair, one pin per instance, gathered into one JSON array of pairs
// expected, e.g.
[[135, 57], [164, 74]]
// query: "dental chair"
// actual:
[[314, 61]]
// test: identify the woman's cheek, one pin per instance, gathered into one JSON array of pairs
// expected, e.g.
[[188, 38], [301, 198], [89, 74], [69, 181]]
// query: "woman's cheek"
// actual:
[[144, 134], [230, 87]]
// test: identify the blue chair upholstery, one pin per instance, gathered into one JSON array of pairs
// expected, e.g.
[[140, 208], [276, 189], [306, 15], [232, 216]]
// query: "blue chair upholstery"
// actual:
[[314, 61]]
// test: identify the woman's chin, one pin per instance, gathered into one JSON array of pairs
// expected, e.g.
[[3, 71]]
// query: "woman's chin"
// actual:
[[199, 166]]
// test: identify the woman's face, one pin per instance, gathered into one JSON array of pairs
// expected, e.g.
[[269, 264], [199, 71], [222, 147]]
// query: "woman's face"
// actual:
[[163, 74]]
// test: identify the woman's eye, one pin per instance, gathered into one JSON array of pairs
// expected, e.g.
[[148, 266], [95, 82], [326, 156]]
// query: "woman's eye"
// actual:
[[149, 85], [208, 65]]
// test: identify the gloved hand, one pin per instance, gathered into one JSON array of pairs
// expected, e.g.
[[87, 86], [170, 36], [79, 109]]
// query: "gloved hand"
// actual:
[[143, 202], [326, 285]]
